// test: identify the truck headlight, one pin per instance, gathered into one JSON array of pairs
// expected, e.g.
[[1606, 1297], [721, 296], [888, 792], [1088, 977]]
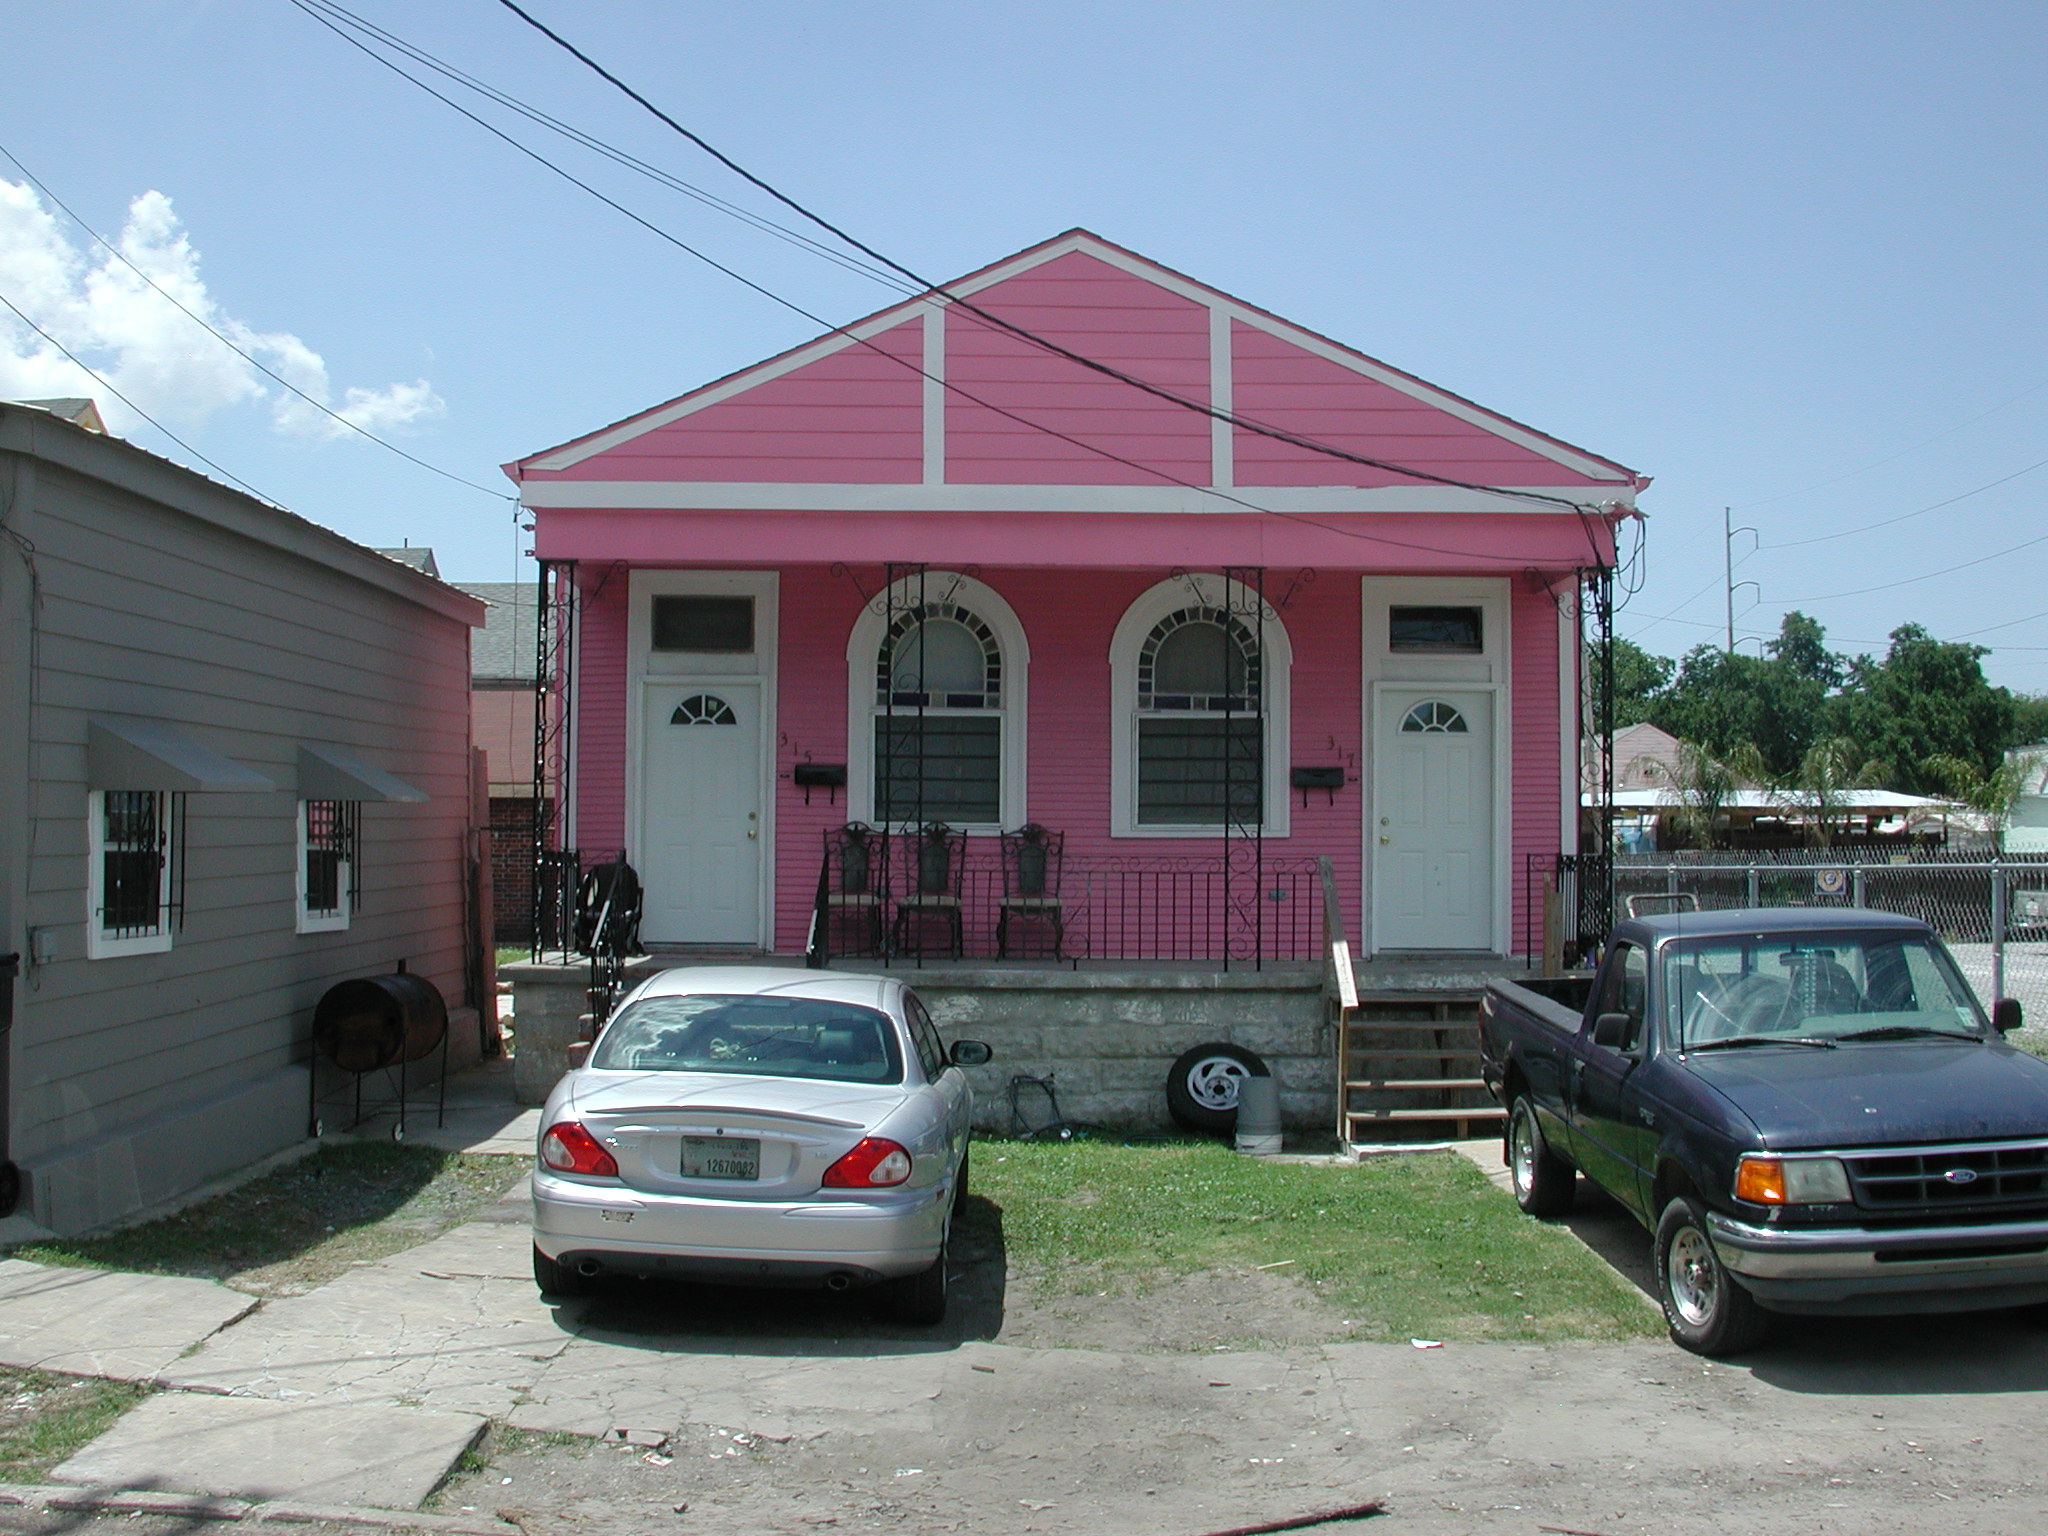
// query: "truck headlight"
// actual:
[[1792, 1181]]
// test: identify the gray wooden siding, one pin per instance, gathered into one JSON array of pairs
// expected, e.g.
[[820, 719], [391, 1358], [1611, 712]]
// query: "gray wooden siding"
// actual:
[[250, 649]]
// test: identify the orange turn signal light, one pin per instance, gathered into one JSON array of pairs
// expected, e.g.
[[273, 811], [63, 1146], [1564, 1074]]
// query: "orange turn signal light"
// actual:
[[1761, 1181]]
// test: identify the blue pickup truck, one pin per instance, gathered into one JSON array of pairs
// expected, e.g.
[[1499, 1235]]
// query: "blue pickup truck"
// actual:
[[1809, 1111]]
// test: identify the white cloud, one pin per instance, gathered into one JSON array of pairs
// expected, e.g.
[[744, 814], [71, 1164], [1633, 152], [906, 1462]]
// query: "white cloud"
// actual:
[[165, 361]]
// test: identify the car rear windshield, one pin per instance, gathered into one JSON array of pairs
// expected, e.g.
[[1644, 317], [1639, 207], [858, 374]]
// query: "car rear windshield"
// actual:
[[753, 1036], [1813, 986]]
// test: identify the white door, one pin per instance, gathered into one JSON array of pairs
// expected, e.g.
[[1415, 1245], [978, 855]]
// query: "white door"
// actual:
[[700, 793], [1432, 820]]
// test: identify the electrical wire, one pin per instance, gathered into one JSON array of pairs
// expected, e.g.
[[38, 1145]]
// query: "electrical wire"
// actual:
[[611, 151], [105, 383], [1846, 533], [938, 290], [233, 346], [1907, 581], [312, 9]]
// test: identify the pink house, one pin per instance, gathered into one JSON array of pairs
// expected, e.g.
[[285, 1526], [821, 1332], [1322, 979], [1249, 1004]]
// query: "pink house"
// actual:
[[996, 586]]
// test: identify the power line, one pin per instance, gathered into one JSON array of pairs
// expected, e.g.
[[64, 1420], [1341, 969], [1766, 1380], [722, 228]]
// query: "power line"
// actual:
[[310, 8], [235, 347], [1846, 533], [1200, 407], [1907, 581], [611, 151], [94, 373]]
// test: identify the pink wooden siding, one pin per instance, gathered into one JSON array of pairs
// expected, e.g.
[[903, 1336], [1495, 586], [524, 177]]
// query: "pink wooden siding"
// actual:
[[601, 742], [1282, 385], [1534, 813], [1100, 312], [853, 417]]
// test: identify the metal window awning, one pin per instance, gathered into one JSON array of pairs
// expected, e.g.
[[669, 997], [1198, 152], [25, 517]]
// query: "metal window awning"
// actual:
[[150, 755], [330, 773]]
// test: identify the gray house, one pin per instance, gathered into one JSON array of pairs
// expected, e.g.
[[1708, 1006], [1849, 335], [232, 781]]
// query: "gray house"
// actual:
[[235, 768]]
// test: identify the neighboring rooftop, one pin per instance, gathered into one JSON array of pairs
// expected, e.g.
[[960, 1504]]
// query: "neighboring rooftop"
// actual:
[[502, 651], [419, 556], [78, 411]]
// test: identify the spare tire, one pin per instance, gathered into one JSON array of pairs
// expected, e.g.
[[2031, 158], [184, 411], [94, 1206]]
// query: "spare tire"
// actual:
[[1201, 1088]]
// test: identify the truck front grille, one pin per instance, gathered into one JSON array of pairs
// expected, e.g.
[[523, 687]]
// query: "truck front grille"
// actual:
[[1967, 1176]]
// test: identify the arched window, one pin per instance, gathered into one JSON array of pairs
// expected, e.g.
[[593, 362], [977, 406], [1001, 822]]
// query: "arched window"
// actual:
[[936, 709], [1202, 711]]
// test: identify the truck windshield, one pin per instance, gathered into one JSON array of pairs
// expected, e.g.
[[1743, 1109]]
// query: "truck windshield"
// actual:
[[1847, 986]]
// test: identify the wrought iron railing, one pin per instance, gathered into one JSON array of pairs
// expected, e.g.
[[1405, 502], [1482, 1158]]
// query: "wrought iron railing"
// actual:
[[1114, 909]]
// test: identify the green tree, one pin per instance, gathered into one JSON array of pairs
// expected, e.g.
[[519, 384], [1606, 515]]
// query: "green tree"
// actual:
[[2029, 719], [1638, 677], [1926, 700], [1775, 703]]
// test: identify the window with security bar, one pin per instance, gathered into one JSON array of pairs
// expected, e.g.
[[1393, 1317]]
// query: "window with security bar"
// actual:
[[938, 719], [135, 889], [329, 831], [1201, 727]]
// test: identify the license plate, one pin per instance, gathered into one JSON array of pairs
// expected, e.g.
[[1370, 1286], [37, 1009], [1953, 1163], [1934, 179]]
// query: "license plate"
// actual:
[[721, 1157]]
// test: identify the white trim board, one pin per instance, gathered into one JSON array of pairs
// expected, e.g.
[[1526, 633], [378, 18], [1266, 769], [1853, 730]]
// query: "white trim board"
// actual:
[[825, 496], [1220, 305], [644, 670]]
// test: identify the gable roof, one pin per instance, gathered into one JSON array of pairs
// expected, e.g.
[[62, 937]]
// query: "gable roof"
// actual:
[[565, 458]]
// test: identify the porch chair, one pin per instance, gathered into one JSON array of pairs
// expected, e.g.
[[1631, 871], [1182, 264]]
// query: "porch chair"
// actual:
[[855, 887], [1031, 885], [940, 864]]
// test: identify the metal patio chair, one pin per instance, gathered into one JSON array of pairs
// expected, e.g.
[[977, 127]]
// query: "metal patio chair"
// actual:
[[1031, 885], [932, 890], [856, 888]]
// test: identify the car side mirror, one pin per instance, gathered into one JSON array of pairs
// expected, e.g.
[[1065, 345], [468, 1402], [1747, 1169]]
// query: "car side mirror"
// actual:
[[970, 1053], [1612, 1030], [578, 1052], [2006, 1015]]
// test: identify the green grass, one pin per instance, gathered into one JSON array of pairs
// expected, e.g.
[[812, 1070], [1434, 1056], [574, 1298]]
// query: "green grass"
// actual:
[[1405, 1247], [45, 1418], [305, 1223]]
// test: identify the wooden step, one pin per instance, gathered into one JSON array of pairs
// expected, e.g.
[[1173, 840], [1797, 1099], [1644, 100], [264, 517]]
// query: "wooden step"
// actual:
[[1476, 1112], [1395, 1084], [1395, 1052]]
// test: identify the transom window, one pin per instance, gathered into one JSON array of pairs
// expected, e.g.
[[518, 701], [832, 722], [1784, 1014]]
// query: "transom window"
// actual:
[[1444, 630], [1434, 715], [703, 709], [689, 622], [1201, 736]]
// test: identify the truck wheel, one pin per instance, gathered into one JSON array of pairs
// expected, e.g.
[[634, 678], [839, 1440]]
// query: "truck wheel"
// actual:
[[1708, 1312], [1544, 1182], [1201, 1086]]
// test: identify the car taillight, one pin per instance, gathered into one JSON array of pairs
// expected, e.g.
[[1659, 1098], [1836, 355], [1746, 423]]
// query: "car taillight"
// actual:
[[874, 1164], [568, 1148]]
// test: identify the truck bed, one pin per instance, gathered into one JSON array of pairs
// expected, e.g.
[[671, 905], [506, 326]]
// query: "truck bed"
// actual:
[[1559, 1001]]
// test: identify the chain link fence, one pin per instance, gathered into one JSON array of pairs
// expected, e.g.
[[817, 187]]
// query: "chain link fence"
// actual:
[[1992, 913]]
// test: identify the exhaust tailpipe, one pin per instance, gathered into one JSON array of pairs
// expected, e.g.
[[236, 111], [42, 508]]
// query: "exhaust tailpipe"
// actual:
[[839, 1280], [588, 1267]]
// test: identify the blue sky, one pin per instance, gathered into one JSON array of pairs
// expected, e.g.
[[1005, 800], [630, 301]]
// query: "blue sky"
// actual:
[[1765, 253]]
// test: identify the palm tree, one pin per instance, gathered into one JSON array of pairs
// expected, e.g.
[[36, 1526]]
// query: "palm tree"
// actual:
[[1992, 795], [1703, 786], [1822, 787]]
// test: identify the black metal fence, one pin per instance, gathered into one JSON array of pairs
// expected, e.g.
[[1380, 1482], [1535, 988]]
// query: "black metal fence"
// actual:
[[1118, 909]]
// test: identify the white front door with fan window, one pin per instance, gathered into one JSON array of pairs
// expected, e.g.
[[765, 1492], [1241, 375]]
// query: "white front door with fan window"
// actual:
[[1432, 820], [700, 786]]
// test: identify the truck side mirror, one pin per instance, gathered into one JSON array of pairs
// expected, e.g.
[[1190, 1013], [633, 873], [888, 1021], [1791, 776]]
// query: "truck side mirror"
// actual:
[[2005, 1015], [1613, 1030]]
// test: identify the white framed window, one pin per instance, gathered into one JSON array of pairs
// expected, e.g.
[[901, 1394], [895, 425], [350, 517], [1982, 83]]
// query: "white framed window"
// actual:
[[136, 864], [1199, 691], [937, 669], [329, 831]]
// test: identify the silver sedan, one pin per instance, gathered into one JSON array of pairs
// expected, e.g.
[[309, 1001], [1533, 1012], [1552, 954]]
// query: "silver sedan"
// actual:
[[759, 1126]]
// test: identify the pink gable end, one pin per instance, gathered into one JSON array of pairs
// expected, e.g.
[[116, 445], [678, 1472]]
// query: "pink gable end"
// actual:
[[1099, 311], [855, 416], [1285, 386]]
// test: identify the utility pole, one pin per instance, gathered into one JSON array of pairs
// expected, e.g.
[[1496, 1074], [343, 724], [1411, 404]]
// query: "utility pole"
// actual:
[[1728, 581]]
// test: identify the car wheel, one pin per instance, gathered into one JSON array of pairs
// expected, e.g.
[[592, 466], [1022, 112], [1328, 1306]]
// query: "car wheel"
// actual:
[[557, 1279], [1708, 1312], [960, 1186], [1544, 1183], [1201, 1088], [920, 1299]]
